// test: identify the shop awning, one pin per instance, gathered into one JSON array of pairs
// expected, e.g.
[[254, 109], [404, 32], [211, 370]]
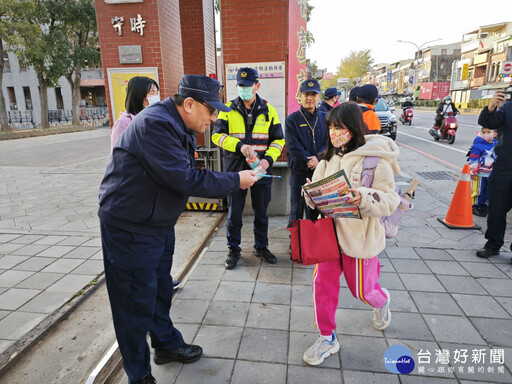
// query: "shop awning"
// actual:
[[495, 86]]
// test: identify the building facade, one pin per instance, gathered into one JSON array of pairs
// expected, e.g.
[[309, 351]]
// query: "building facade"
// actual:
[[20, 88], [484, 51]]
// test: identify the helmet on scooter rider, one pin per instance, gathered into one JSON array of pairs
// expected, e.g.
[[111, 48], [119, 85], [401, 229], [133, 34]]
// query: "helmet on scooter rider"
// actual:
[[447, 100]]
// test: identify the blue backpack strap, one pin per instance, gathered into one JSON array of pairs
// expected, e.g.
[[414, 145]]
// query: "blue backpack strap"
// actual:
[[369, 166]]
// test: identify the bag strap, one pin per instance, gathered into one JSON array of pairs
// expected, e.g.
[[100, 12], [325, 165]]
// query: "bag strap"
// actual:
[[369, 166]]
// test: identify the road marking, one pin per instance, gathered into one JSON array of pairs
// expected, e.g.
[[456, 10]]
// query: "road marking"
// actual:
[[433, 142], [428, 155]]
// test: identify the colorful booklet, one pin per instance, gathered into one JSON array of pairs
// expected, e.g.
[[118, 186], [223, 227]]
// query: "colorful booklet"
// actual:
[[330, 195]]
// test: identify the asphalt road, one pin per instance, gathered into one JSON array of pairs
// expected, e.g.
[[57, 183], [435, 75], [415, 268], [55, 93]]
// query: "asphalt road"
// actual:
[[417, 137]]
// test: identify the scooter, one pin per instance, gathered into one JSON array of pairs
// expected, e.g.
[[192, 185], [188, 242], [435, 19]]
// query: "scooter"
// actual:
[[407, 119], [447, 129]]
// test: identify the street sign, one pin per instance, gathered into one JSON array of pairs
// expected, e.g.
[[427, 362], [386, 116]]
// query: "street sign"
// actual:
[[342, 80], [465, 69], [327, 76], [411, 79], [506, 69], [389, 76]]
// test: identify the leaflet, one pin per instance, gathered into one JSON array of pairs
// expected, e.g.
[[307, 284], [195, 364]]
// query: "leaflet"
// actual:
[[330, 195]]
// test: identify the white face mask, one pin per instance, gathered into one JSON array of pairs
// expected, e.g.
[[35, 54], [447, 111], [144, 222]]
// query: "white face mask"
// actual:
[[153, 99], [448, 101]]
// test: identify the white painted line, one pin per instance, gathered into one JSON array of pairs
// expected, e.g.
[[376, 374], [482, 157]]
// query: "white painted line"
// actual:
[[433, 142], [414, 127], [101, 364]]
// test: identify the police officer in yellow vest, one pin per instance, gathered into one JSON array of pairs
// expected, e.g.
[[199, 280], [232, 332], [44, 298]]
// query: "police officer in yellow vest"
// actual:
[[252, 123]]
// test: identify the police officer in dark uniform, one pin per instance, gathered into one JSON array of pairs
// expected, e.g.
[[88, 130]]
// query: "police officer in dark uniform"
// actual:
[[330, 99], [145, 188], [499, 117], [306, 138], [251, 126]]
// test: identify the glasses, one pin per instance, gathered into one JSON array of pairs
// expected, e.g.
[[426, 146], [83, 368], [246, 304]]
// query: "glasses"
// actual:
[[213, 111]]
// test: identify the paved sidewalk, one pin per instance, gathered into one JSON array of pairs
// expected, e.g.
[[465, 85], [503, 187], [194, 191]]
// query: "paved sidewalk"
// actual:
[[50, 246], [256, 321]]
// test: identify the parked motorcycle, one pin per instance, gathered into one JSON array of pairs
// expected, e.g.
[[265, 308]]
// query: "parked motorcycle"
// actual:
[[407, 119], [447, 129]]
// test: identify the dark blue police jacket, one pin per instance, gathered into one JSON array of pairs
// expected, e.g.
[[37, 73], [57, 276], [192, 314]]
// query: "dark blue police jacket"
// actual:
[[501, 120], [151, 173], [325, 107], [299, 138]]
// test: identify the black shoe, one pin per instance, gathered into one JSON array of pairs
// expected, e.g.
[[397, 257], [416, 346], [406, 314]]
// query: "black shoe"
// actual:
[[265, 255], [479, 212], [487, 252], [233, 257], [148, 379], [186, 354]]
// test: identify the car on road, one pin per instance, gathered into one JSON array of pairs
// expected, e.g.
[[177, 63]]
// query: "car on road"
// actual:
[[388, 125]]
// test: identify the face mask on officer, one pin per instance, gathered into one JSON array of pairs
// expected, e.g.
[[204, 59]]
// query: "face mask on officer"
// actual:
[[245, 93], [448, 101]]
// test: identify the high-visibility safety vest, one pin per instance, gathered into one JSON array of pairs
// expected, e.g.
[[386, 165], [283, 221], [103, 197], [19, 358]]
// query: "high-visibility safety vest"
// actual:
[[233, 129]]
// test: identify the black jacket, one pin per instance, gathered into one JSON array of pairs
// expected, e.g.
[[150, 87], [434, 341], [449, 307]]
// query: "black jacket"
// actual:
[[151, 173], [440, 109], [500, 120]]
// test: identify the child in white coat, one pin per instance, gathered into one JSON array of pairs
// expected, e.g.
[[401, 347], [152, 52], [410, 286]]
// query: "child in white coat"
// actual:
[[361, 240]]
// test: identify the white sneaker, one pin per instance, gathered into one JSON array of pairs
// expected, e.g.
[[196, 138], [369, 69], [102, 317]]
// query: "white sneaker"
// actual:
[[322, 348], [382, 316]]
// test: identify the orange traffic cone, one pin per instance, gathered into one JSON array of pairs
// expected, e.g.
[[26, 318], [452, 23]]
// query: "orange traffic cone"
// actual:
[[460, 213]]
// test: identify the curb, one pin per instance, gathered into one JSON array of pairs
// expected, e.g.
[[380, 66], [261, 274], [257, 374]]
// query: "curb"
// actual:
[[12, 354], [36, 132]]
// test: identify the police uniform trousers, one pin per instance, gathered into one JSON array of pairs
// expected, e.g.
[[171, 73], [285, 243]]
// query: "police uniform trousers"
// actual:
[[298, 204], [500, 202], [260, 196], [139, 285]]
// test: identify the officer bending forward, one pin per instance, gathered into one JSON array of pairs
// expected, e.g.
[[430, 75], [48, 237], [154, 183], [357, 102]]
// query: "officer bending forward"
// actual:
[[147, 183]]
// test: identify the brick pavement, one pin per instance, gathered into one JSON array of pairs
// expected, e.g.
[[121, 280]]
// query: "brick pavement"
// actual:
[[255, 321]]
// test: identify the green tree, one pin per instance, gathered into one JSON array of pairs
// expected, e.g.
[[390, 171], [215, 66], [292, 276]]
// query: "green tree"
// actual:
[[4, 120], [40, 41], [354, 66], [311, 69], [79, 19], [6, 31]]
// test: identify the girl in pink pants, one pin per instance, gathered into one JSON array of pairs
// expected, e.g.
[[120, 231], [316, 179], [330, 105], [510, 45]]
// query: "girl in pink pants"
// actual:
[[360, 240], [362, 278]]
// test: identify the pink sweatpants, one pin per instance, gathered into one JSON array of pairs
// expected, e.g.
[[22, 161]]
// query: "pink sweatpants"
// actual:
[[362, 277]]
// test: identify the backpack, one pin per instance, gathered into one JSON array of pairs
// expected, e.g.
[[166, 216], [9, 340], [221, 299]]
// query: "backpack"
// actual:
[[391, 222]]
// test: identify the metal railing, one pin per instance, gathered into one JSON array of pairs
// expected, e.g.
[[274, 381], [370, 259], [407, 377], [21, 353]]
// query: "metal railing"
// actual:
[[96, 116]]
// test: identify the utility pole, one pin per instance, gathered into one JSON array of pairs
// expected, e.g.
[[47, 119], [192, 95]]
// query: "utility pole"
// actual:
[[418, 50]]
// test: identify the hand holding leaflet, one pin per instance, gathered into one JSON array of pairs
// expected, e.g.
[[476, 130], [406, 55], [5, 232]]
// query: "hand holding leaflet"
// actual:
[[333, 196]]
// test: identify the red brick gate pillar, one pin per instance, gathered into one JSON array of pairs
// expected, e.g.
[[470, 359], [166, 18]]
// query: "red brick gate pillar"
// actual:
[[268, 35], [164, 37], [198, 31]]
